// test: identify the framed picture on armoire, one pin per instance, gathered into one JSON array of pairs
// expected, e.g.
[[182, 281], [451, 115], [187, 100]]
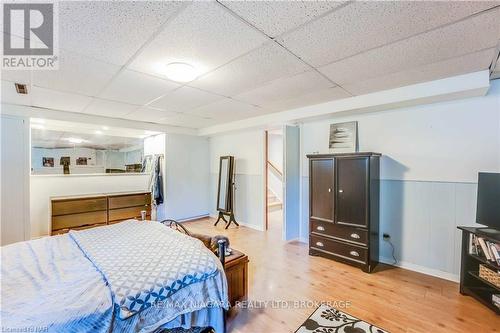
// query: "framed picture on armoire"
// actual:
[[344, 137]]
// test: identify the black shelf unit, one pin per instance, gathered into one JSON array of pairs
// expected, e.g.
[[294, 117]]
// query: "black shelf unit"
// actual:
[[470, 282]]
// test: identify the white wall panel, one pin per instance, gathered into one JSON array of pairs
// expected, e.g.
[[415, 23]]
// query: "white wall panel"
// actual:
[[14, 170], [187, 177]]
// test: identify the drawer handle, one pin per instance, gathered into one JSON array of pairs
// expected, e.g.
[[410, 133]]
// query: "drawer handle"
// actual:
[[329, 190], [341, 191], [320, 244], [320, 228], [354, 254], [355, 236]]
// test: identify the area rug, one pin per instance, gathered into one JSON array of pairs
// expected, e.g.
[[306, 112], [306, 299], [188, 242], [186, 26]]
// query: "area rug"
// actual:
[[330, 320]]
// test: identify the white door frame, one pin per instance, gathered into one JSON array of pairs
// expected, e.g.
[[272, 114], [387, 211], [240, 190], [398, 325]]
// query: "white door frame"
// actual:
[[291, 182]]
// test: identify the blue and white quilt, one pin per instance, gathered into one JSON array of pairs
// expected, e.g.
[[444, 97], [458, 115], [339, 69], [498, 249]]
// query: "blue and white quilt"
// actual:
[[144, 263], [128, 277]]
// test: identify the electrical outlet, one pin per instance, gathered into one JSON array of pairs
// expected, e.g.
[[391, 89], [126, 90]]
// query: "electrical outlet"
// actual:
[[386, 236]]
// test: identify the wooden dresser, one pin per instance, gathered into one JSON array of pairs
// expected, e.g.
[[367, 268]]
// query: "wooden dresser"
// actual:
[[344, 208], [82, 212]]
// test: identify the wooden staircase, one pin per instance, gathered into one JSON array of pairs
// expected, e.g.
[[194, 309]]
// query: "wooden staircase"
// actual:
[[273, 203]]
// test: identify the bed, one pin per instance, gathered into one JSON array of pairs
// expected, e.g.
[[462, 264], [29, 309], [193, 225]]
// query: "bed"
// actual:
[[132, 276]]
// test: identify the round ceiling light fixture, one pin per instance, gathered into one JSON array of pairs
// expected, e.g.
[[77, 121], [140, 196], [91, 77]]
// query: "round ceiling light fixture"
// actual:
[[180, 72]]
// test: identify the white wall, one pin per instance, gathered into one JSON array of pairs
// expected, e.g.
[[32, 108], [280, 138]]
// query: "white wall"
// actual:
[[431, 157], [14, 179], [44, 187], [275, 156], [275, 150], [187, 177], [248, 151]]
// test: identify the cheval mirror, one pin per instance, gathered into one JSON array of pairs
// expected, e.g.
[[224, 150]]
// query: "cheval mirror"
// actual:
[[225, 192]]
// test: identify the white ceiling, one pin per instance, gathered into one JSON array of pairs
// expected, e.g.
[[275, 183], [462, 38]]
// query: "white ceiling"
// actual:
[[254, 57]]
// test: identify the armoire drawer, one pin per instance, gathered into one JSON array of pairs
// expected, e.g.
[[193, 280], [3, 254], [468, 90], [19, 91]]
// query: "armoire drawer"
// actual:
[[332, 230], [339, 249]]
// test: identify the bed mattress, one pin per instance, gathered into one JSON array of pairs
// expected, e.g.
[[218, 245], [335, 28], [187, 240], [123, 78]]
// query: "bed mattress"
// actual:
[[51, 284]]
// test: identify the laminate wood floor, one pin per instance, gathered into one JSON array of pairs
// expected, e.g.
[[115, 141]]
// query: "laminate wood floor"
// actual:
[[395, 299]]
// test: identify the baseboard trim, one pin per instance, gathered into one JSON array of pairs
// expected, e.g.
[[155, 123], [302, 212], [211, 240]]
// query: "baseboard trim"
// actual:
[[422, 269], [193, 218], [243, 224]]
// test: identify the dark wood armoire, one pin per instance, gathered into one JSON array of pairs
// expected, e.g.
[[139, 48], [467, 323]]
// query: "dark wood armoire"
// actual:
[[344, 208]]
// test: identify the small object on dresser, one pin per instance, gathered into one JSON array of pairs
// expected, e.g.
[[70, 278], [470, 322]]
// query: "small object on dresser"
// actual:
[[214, 243]]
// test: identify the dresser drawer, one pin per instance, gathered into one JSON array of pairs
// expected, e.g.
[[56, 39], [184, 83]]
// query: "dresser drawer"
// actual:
[[123, 201], [339, 249], [332, 230], [63, 207], [121, 214], [71, 221]]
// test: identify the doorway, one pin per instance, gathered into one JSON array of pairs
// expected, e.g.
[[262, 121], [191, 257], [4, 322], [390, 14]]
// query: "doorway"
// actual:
[[274, 181], [282, 170]]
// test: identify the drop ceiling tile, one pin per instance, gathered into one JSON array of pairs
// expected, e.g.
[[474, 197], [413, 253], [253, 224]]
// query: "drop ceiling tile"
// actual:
[[18, 76], [10, 95], [456, 66], [149, 115], [264, 64], [76, 74], [204, 35], [15, 75], [108, 108], [276, 17], [227, 110], [137, 88], [52, 99], [184, 99], [188, 120], [437, 45], [364, 25], [111, 31], [285, 88]]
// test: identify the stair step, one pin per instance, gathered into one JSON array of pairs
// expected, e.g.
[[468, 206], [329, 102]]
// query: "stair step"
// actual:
[[274, 206]]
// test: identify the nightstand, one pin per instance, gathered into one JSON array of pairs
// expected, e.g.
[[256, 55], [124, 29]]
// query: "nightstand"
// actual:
[[236, 267]]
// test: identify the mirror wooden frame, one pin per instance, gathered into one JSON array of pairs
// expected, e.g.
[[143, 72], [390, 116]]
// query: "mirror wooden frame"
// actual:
[[228, 177], [227, 208]]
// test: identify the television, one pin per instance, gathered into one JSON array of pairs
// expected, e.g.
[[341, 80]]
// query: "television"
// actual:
[[488, 200]]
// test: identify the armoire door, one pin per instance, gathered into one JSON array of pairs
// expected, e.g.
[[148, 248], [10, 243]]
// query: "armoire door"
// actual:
[[351, 199], [321, 189]]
